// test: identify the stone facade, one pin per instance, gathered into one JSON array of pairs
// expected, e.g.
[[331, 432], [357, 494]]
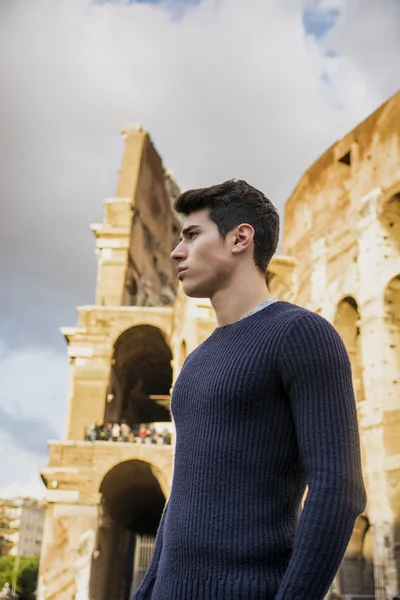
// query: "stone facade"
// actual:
[[342, 225], [21, 527], [341, 259]]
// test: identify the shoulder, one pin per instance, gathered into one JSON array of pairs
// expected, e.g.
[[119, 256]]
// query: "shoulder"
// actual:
[[296, 318], [306, 334], [284, 321]]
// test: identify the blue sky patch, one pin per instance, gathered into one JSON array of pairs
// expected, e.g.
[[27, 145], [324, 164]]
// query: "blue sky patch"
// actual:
[[184, 2], [330, 53], [176, 8], [319, 22], [326, 79]]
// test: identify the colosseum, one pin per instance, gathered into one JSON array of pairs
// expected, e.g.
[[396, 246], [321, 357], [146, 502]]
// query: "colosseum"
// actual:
[[341, 244]]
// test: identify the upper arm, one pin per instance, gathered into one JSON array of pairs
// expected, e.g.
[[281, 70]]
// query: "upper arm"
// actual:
[[316, 375]]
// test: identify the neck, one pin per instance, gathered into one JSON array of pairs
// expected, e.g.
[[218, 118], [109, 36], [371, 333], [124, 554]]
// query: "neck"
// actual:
[[240, 297]]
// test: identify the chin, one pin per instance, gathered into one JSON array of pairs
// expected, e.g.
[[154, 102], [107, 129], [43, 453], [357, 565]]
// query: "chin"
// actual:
[[194, 292]]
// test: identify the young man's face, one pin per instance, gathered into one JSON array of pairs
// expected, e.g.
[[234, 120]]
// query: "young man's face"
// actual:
[[203, 257]]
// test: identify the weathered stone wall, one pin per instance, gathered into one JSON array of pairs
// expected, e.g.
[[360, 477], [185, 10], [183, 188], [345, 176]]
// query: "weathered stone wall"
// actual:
[[74, 476], [342, 224], [68, 542], [112, 250], [155, 231], [80, 467], [90, 348]]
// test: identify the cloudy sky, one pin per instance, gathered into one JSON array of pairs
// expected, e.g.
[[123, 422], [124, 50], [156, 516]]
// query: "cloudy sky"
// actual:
[[228, 88]]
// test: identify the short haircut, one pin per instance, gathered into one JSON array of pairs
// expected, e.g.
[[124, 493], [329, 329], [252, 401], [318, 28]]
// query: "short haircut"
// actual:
[[232, 203]]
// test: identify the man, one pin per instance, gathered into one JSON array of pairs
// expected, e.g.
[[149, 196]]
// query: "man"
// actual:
[[262, 408]]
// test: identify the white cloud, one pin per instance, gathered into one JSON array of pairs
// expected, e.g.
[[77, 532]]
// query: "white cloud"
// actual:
[[16, 489], [33, 383], [19, 473], [232, 89], [325, 5], [32, 408], [367, 35]]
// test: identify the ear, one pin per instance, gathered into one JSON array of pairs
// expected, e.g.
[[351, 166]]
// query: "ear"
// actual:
[[242, 238]]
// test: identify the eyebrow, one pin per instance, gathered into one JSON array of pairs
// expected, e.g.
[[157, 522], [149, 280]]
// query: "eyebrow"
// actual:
[[188, 230]]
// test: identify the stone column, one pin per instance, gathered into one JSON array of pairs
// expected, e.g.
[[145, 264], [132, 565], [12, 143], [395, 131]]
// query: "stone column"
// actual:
[[319, 300], [68, 535], [112, 247], [89, 376]]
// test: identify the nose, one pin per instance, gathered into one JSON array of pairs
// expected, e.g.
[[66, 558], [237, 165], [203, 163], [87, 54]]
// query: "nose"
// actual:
[[179, 252]]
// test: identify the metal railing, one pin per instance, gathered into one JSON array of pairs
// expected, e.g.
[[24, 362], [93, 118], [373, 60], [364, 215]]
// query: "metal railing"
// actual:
[[358, 597]]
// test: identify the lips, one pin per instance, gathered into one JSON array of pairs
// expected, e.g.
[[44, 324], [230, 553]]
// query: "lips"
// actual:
[[181, 271]]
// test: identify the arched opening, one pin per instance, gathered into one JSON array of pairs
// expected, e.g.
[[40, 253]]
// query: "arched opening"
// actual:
[[140, 378], [347, 325], [392, 358], [129, 513], [182, 353], [356, 573], [130, 293], [390, 219], [276, 286], [132, 290]]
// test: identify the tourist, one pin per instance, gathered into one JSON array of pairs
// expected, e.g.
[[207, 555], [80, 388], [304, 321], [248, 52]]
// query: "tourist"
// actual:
[[99, 430], [125, 432], [143, 433], [166, 436], [115, 432], [6, 591], [91, 432], [263, 407], [108, 432], [153, 433]]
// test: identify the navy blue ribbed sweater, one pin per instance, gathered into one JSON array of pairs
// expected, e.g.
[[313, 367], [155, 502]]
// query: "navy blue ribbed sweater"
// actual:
[[262, 407]]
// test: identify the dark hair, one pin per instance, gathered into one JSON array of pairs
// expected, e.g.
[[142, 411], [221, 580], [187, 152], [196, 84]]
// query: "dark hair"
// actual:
[[234, 202]]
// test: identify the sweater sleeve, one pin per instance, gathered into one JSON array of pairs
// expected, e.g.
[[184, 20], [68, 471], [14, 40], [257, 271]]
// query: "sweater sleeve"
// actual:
[[145, 589], [316, 375]]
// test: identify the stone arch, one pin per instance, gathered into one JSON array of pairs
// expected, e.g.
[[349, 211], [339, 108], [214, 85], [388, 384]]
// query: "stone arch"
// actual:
[[129, 513], [391, 415], [392, 299], [356, 574], [136, 316], [276, 286], [132, 290], [355, 546], [392, 350], [158, 458], [140, 377], [280, 277], [346, 322], [389, 215], [133, 496], [131, 285], [182, 353]]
